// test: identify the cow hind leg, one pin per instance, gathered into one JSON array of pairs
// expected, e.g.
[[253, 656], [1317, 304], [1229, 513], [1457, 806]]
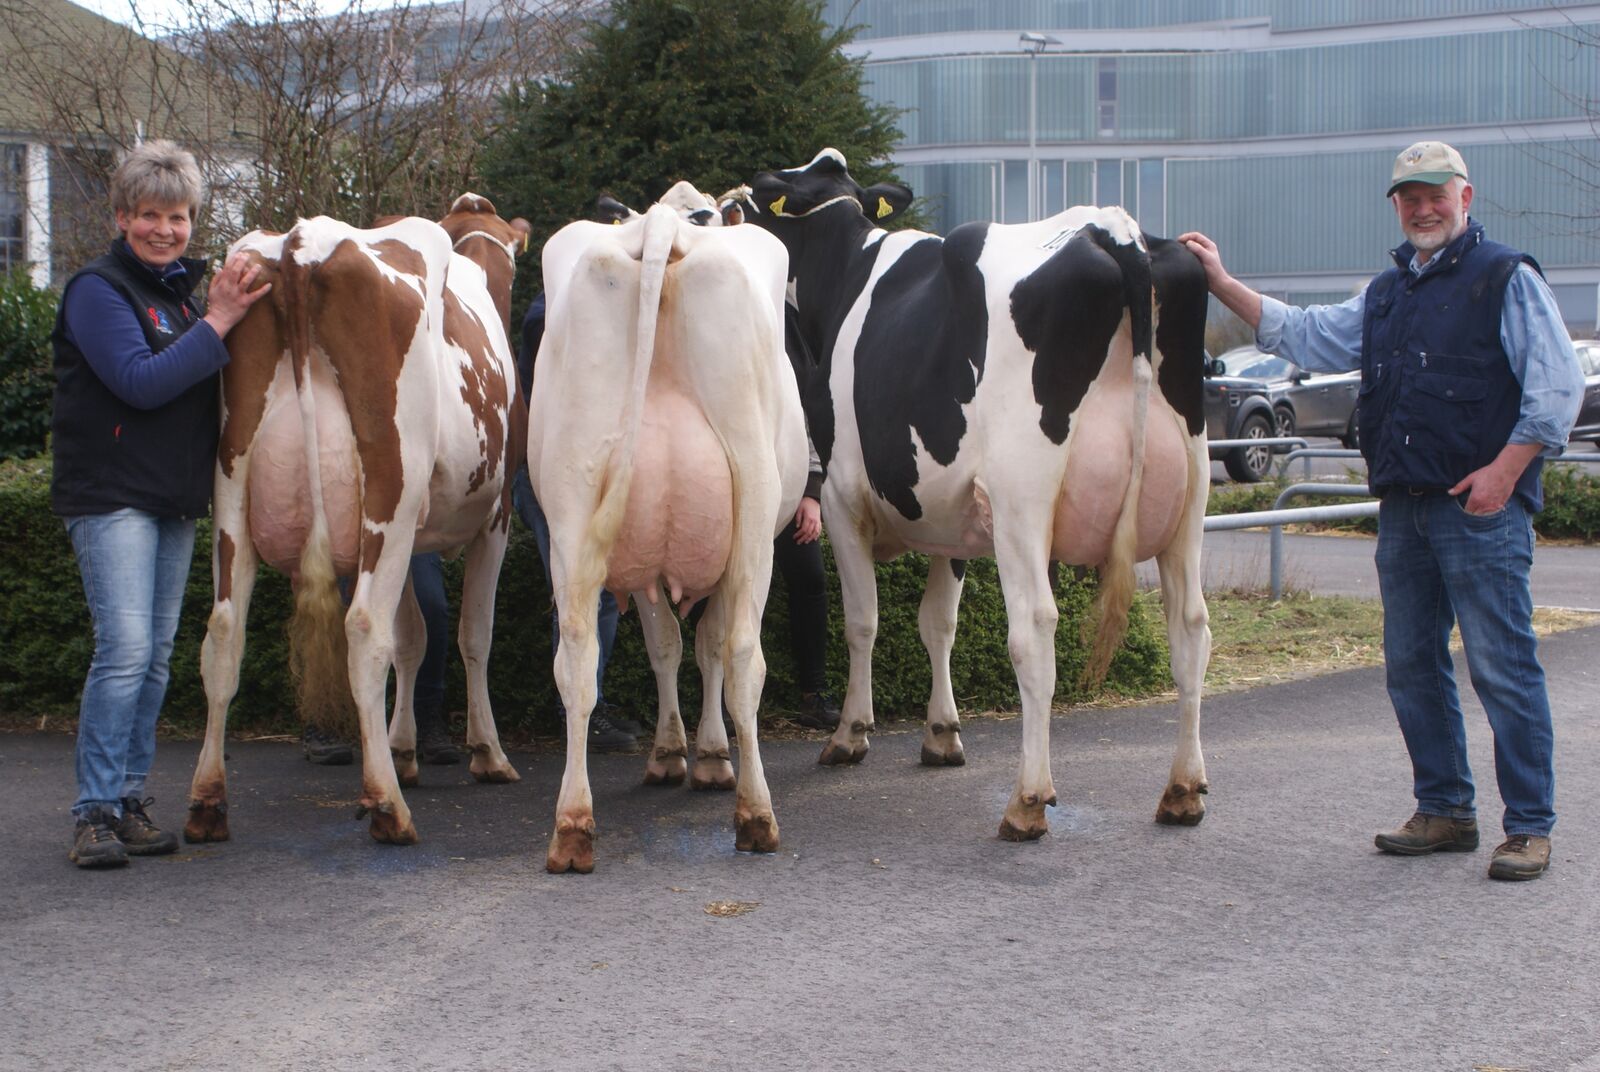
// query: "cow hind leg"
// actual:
[[234, 576], [663, 639], [410, 641], [572, 841], [858, 583], [936, 621], [369, 631], [755, 827], [1189, 637], [485, 554], [713, 762], [1031, 616]]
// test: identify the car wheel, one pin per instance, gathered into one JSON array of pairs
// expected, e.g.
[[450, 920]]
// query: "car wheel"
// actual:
[[1283, 425], [1250, 464], [1352, 433]]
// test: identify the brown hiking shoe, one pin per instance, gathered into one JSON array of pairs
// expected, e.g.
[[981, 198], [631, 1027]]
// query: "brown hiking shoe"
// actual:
[[141, 836], [1520, 857], [94, 842], [1423, 834]]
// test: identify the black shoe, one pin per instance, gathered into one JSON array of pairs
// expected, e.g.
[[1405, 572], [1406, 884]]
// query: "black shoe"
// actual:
[[818, 711], [434, 746], [94, 841], [141, 836], [326, 750], [618, 717], [605, 736]]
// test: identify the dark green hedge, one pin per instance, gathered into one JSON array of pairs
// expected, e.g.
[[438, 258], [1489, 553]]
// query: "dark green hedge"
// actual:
[[45, 638], [27, 316]]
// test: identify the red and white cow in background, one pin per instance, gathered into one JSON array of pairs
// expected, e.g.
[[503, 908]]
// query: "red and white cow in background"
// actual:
[[370, 412], [667, 447]]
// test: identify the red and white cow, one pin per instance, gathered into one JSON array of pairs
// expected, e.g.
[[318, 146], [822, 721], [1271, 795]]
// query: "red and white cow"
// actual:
[[1029, 391], [667, 447], [370, 412]]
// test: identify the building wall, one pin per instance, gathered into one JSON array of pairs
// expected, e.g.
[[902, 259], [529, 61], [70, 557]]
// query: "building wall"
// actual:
[[1270, 124]]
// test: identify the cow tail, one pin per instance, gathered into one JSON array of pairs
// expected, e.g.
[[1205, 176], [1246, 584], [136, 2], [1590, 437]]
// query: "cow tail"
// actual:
[[318, 652], [660, 229], [1117, 579]]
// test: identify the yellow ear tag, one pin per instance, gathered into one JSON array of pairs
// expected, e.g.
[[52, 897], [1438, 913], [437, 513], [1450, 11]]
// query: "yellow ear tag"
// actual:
[[777, 206], [616, 223], [884, 208], [525, 240]]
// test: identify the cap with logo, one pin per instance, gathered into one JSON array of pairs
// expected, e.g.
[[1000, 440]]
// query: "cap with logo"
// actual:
[[1432, 162]]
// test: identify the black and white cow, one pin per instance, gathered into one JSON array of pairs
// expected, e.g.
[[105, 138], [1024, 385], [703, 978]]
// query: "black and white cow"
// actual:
[[991, 393]]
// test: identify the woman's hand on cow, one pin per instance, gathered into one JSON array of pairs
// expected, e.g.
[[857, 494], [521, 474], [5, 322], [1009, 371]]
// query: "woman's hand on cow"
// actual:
[[807, 521], [230, 296]]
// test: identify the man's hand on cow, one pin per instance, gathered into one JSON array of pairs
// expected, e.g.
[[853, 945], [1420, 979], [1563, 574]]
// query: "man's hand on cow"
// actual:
[[807, 521], [1245, 303], [230, 296]]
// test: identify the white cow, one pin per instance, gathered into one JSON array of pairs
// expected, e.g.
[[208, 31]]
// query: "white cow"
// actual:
[[667, 447]]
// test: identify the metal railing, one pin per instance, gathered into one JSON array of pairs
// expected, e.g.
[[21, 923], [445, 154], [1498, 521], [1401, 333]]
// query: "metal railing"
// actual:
[[1277, 517]]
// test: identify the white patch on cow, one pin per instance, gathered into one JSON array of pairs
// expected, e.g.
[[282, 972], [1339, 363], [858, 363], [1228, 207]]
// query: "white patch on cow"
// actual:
[[790, 294], [829, 153]]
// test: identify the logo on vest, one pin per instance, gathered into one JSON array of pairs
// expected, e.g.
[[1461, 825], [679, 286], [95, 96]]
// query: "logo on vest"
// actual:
[[159, 319]]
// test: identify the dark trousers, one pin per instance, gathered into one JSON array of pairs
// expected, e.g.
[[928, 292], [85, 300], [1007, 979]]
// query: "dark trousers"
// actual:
[[801, 566]]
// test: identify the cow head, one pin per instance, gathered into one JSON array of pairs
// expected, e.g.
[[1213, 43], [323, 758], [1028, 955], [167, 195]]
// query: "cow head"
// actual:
[[477, 232], [825, 182], [689, 203]]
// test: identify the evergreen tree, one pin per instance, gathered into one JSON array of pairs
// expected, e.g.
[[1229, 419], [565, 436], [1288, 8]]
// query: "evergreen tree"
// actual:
[[665, 90]]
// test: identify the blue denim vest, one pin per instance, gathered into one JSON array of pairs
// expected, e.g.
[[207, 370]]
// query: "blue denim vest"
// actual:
[[1438, 398]]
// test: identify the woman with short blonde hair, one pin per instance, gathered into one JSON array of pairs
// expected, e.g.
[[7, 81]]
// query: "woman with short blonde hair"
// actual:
[[137, 410]]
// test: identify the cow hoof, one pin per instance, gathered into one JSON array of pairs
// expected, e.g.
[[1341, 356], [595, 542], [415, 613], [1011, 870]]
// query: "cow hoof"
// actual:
[[208, 821], [666, 770], [571, 849], [755, 833], [1181, 805], [835, 754], [1023, 828], [409, 779], [711, 773], [389, 828], [504, 774], [954, 756], [405, 765]]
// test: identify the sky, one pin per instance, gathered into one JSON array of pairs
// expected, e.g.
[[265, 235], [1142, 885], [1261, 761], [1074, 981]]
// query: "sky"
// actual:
[[164, 12]]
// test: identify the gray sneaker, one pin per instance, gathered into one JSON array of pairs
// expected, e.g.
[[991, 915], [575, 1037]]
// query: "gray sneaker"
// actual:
[[1520, 857], [94, 841], [1423, 834]]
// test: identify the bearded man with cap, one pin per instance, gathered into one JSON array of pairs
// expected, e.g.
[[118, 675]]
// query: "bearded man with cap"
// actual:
[[1468, 380]]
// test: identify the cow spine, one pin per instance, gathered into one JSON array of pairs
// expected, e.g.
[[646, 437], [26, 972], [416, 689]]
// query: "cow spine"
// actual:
[[1117, 578]]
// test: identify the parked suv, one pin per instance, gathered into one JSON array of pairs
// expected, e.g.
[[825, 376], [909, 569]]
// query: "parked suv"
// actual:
[[1254, 395], [1589, 416]]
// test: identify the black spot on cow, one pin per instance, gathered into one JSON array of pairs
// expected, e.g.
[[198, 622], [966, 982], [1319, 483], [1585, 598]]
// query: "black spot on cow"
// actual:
[[1181, 300], [919, 360], [958, 566], [1066, 313]]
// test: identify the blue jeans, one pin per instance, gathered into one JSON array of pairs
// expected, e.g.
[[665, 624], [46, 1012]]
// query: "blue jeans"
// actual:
[[606, 616], [134, 567], [1437, 565], [427, 581]]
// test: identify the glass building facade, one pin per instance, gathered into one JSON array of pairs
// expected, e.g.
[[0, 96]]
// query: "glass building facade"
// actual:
[[1269, 124]]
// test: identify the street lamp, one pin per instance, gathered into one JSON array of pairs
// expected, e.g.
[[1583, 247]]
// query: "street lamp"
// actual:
[[1034, 43]]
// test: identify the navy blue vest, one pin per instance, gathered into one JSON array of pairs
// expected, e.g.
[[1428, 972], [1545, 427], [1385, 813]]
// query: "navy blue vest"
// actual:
[[110, 455], [1438, 398]]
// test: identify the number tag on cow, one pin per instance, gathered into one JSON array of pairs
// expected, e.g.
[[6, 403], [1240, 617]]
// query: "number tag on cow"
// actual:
[[1059, 239]]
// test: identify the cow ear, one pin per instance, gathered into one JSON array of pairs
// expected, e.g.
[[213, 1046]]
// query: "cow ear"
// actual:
[[886, 200], [732, 214], [609, 210]]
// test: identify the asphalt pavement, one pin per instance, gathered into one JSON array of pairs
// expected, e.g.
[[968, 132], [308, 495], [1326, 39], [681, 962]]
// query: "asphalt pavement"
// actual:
[[893, 930]]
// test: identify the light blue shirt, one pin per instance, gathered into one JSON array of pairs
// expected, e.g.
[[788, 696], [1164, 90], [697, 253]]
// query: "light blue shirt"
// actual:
[[1327, 338]]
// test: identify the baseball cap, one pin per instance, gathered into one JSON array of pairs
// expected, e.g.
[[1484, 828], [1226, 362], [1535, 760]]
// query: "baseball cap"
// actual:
[[1427, 161]]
